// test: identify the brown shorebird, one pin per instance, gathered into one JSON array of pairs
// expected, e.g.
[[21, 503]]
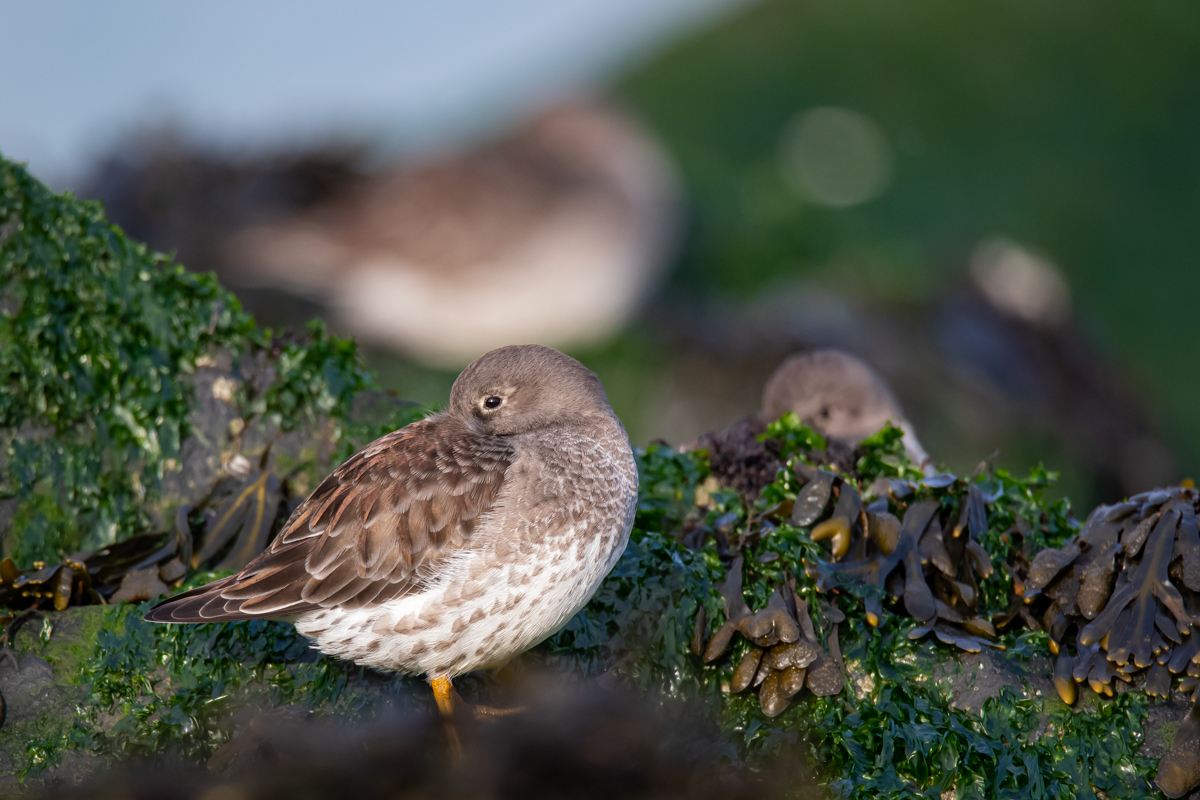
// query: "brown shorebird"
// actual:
[[555, 232], [458, 541], [840, 397]]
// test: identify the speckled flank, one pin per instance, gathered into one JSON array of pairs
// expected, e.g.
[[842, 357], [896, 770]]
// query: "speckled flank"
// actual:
[[559, 526]]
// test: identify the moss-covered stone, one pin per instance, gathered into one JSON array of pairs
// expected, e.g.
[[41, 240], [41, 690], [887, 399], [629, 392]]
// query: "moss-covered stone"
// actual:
[[132, 385], [43, 688], [98, 338]]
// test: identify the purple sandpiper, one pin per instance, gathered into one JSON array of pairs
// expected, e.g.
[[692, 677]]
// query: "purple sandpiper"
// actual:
[[458, 541], [840, 397]]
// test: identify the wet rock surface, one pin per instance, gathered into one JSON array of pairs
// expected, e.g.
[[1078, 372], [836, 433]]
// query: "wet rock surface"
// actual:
[[976, 677], [41, 689], [44, 689]]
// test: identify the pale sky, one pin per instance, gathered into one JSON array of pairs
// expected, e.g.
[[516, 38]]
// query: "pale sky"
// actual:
[[76, 74]]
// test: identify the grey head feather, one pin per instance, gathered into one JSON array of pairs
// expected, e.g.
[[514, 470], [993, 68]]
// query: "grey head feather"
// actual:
[[524, 388]]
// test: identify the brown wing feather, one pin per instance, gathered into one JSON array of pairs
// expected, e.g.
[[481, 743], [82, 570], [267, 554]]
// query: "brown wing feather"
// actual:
[[375, 529]]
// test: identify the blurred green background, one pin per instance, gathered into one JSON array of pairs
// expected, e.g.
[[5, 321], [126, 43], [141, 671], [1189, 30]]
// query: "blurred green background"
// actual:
[[1071, 127], [1062, 134]]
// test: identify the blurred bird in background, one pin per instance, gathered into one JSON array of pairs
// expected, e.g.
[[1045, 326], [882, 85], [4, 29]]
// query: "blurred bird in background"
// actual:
[[839, 397], [556, 232], [996, 359], [778, 179]]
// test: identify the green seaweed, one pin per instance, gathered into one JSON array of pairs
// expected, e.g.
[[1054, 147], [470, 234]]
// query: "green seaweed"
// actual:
[[883, 455], [179, 687], [95, 331], [901, 737], [792, 436], [97, 336]]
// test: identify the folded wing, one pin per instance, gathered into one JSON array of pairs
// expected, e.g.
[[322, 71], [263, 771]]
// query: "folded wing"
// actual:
[[379, 527]]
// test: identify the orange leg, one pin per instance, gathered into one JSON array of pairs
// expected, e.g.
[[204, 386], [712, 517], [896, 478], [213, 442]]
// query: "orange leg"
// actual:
[[443, 693]]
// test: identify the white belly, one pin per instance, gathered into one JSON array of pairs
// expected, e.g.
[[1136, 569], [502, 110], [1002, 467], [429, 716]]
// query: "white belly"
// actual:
[[489, 605]]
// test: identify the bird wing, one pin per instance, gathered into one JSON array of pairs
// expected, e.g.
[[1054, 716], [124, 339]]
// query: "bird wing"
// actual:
[[379, 527]]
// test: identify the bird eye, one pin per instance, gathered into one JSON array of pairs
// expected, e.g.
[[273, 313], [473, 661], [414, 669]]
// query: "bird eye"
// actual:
[[493, 402], [824, 412]]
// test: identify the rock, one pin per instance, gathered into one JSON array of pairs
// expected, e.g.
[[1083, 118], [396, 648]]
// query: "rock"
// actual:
[[975, 677], [172, 571], [42, 690], [28, 689], [142, 584]]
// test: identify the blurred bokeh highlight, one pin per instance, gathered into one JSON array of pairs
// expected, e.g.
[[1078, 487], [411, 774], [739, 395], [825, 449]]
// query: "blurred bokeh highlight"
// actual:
[[994, 206]]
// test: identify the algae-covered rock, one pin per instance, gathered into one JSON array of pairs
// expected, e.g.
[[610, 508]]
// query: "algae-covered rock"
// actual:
[[42, 689], [108, 351], [139, 398], [96, 683]]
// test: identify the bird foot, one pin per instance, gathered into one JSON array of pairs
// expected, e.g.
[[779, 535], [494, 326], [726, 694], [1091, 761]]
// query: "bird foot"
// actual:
[[447, 698], [451, 705]]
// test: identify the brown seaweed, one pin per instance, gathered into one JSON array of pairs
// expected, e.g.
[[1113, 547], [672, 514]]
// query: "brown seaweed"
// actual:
[[1047, 565], [240, 512], [784, 654], [141, 584], [812, 499], [884, 530], [797, 654], [244, 511], [1128, 619], [1095, 565], [874, 570], [953, 636], [1125, 583], [699, 625], [1187, 547], [772, 625], [932, 567], [746, 669], [1064, 681], [825, 679], [735, 611], [837, 529]]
